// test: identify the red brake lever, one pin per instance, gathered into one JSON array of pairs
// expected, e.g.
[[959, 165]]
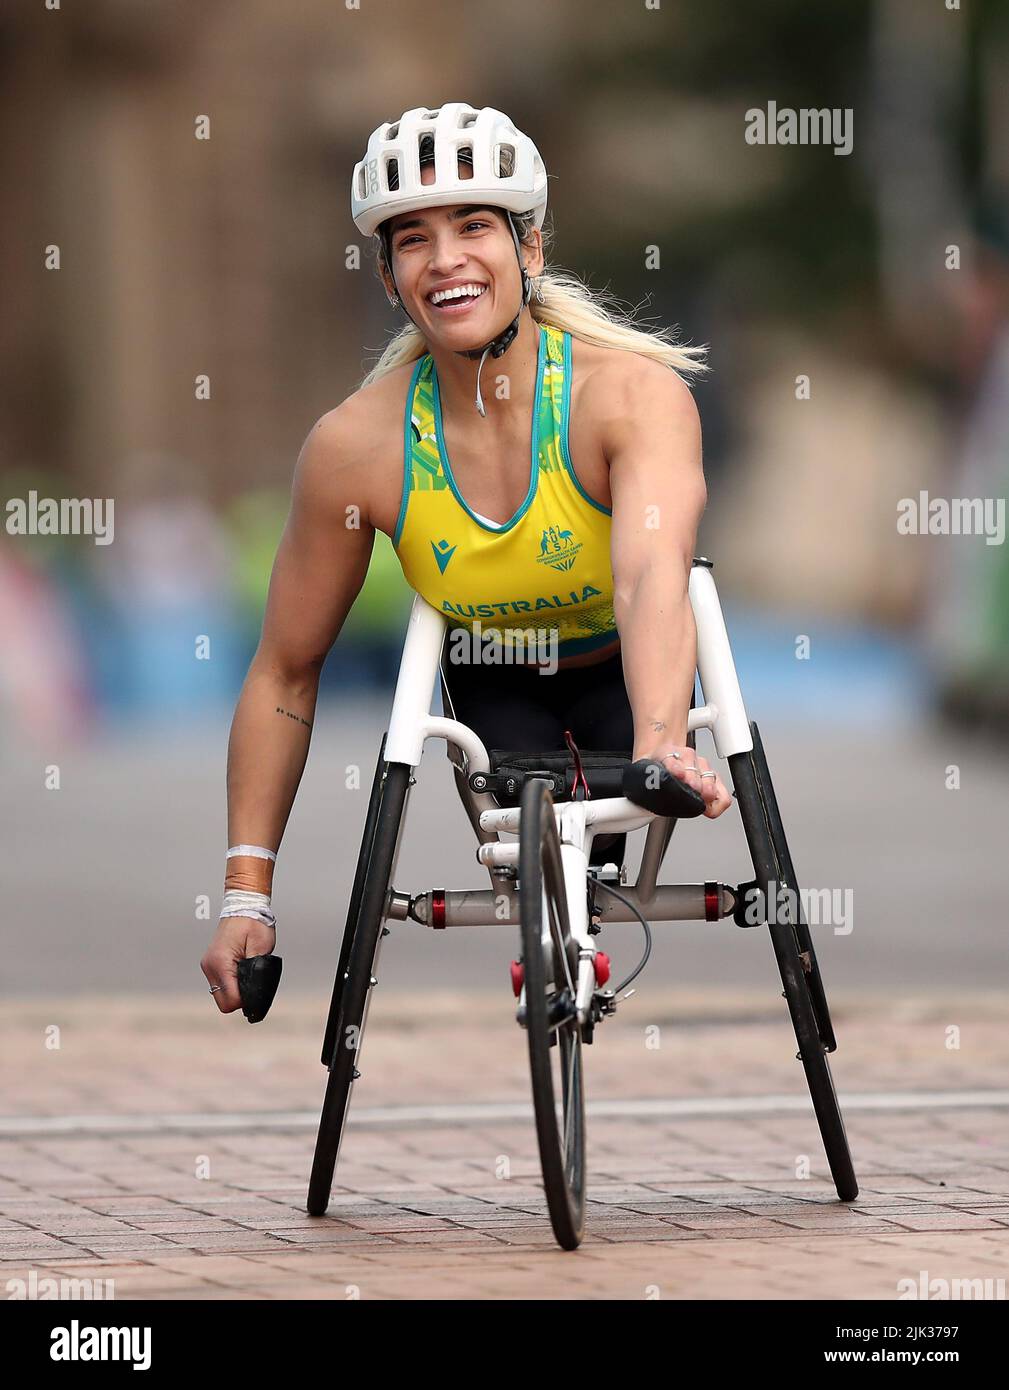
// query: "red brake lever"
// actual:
[[579, 770]]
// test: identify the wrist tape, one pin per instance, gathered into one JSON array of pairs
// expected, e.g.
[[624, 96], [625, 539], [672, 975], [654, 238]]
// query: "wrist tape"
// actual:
[[248, 883]]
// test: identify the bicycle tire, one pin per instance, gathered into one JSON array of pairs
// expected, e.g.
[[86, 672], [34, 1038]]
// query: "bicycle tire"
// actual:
[[789, 878], [798, 996], [353, 911], [541, 886], [358, 985]]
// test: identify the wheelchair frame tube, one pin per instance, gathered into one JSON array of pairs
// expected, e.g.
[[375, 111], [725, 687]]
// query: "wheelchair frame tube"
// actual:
[[715, 667], [418, 671]]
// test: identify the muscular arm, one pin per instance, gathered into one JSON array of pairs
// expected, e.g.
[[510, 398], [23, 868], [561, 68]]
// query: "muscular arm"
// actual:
[[652, 439], [320, 567]]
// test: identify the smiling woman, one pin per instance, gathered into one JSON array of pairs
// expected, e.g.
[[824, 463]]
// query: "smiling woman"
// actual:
[[431, 168], [565, 505], [559, 297]]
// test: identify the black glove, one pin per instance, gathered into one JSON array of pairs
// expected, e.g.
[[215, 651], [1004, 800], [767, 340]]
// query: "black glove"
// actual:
[[650, 784], [258, 978]]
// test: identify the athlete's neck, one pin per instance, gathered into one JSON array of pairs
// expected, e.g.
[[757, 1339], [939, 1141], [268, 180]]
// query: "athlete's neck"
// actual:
[[507, 383]]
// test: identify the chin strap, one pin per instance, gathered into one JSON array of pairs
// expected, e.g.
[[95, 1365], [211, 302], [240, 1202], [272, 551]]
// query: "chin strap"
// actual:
[[497, 346]]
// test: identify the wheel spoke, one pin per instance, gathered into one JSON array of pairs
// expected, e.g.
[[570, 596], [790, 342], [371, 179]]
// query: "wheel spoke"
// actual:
[[569, 1097], [559, 952]]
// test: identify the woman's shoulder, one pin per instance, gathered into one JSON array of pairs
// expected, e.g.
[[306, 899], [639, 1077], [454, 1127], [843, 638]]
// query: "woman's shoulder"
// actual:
[[372, 403], [358, 446], [608, 377], [364, 422], [618, 362]]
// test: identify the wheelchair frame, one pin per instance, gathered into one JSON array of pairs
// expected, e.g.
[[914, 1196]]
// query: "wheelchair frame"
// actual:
[[375, 900]]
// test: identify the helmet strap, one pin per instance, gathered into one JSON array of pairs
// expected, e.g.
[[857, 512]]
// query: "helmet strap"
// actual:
[[497, 346]]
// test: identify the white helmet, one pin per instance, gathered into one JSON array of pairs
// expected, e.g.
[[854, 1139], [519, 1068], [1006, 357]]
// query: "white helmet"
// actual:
[[480, 135]]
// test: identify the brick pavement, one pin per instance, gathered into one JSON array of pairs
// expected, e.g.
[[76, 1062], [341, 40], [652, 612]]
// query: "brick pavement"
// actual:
[[691, 1205]]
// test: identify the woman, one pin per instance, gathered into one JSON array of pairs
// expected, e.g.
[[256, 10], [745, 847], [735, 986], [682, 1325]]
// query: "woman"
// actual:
[[562, 496]]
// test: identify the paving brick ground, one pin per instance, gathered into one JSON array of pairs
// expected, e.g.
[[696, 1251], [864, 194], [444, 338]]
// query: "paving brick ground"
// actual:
[[690, 1205]]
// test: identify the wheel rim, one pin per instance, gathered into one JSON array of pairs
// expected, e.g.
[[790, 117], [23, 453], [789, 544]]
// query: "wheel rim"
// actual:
[[551, 965]]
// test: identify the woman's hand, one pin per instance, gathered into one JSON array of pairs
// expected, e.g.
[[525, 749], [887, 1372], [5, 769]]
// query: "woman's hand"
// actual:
[[688, 767], [236, 938]]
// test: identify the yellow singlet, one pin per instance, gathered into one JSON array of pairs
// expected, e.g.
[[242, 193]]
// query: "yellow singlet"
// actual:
[[548, 567]]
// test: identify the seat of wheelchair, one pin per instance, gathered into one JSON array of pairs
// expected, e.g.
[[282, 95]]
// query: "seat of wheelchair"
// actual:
[[509, 772]]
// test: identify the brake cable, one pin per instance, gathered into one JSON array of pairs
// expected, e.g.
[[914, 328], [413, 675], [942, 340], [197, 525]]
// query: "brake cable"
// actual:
[[580, 777], [598, 883]]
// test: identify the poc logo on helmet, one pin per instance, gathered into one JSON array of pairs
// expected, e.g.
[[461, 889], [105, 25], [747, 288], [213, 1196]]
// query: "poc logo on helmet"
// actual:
[[372, 175]]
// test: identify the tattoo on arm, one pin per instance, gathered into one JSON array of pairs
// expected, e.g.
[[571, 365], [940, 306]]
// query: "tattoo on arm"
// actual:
[[307, 723], [658, 725]]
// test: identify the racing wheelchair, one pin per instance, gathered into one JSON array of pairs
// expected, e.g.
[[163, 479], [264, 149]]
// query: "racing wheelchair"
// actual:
[[556, 804]]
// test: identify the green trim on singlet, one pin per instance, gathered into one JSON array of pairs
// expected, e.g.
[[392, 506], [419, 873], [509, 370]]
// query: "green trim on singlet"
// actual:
[[565, 427], [407, 451], [534, 449]]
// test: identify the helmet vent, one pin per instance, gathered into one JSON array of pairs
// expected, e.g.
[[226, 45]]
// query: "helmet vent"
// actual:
[[504, 160], [456, 153]]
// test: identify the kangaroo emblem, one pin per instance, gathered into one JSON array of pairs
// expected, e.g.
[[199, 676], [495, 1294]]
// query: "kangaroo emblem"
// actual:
[[558, 547]]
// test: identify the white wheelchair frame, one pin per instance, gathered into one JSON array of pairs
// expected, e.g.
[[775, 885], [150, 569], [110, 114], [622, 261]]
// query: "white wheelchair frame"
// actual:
[[412, 724], [375, 900]]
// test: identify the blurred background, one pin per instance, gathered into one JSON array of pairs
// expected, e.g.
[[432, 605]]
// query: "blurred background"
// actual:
[[881, 276]]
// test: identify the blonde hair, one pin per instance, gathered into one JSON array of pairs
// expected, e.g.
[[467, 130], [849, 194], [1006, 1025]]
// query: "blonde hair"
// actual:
[[569, 304]]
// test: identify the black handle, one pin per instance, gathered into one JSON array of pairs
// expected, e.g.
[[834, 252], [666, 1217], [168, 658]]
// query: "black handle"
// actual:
[[647, 783], [258, 978]]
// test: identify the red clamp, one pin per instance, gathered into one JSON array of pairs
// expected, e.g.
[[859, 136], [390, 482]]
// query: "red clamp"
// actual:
[[438, 908], [518, 977], [602, 966]]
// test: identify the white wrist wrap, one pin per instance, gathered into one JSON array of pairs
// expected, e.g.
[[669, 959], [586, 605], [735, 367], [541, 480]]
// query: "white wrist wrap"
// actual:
[[243, 895], [238, 903]]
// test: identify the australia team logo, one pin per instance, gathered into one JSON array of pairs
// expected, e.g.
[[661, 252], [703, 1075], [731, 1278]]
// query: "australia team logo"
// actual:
[[558, 548]]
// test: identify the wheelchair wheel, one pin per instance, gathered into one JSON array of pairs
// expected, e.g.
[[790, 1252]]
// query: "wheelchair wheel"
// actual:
[[758, 819], [788, 878], [550, 967], [353, 911], [356, 976]]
